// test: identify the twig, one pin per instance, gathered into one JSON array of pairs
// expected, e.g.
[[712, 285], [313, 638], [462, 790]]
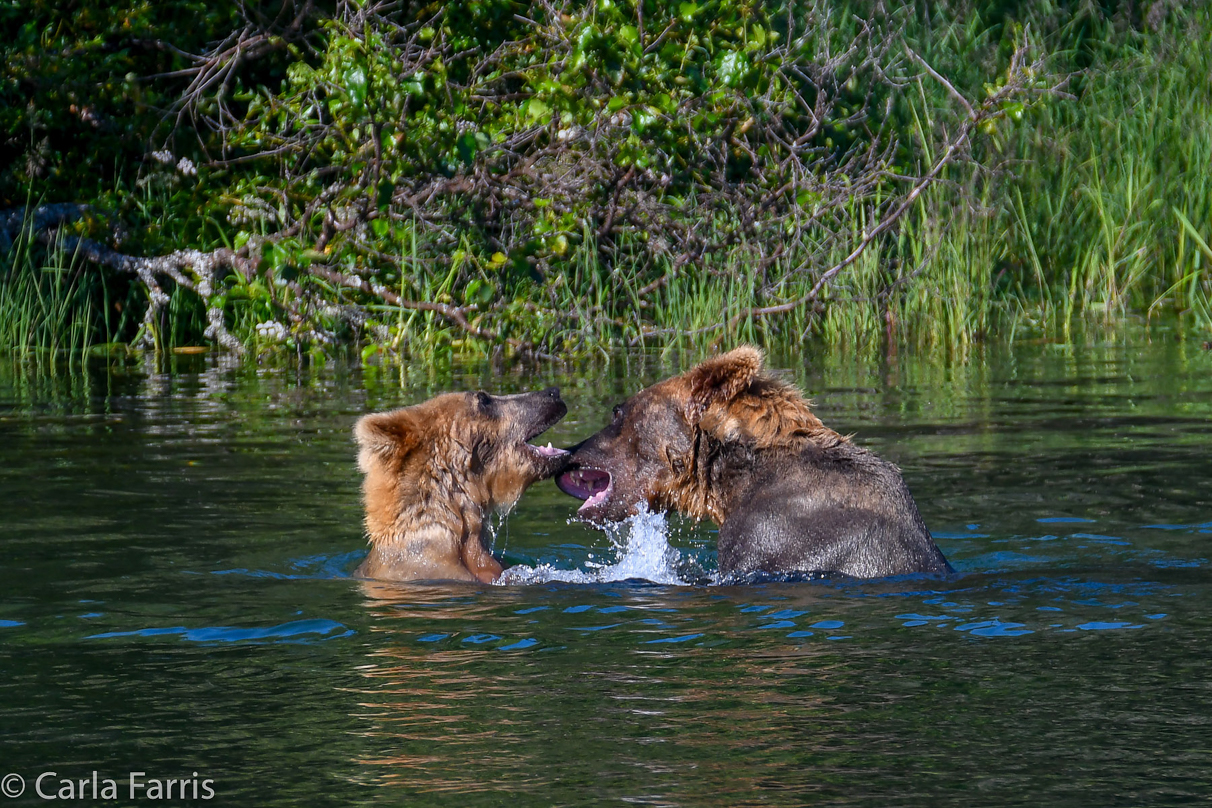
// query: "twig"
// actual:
[[950, 88]]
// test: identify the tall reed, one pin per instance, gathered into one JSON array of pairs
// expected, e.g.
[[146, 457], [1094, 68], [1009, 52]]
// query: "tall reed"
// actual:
[[48, 311]]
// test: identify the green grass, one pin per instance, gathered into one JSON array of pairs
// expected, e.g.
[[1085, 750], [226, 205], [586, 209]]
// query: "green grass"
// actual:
[[1109, 181], [47, 308]]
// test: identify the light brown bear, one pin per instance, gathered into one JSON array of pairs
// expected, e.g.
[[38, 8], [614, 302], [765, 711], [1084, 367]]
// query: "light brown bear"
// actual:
[[436, 471]]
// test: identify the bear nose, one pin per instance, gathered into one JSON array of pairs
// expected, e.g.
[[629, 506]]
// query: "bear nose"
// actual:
[[552, 392]]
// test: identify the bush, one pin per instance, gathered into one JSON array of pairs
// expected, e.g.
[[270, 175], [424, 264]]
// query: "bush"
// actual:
[[542, 177]]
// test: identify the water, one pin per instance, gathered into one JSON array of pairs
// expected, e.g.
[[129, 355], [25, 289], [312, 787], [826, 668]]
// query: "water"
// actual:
[[639, 550], [174, 598]]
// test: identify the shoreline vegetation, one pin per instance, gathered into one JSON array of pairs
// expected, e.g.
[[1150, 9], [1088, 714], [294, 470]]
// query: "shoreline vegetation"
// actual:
[[485, 178]]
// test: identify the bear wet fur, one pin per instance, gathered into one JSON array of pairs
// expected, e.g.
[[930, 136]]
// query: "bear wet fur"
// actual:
[[726, 442], [435, 471]]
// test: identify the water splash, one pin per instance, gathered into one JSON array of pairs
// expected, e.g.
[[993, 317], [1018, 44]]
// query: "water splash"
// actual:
[[498, 526], [641, 549]]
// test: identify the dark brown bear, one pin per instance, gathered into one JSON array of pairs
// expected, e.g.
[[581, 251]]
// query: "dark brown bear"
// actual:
[[434, 473], [726, 442]]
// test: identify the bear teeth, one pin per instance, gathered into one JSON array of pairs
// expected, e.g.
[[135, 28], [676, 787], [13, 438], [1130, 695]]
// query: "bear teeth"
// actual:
[[548, 450]]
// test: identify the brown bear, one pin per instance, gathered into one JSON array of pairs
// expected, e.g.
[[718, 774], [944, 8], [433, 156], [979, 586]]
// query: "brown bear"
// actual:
[[437, 470], [727, 442]]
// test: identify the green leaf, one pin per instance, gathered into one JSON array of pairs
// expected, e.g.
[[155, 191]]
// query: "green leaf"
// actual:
[[479, 291], [1191, 231], [642, 119], [355, 85], [536, 109], [385, 191], [273, 256], [468, 146], [734, 67]]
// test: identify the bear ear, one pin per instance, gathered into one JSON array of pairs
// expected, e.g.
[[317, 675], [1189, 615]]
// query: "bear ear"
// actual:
[[721, 379], [384, 435]]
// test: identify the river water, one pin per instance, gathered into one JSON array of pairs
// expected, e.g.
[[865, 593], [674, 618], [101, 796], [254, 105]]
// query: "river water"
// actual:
[[176, 543]]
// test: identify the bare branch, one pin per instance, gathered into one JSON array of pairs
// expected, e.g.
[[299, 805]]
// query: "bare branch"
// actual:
[[935, 75]]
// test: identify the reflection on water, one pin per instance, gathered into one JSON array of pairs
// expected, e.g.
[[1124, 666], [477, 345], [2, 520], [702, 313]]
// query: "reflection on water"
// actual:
[[176, 549], [704, 696]]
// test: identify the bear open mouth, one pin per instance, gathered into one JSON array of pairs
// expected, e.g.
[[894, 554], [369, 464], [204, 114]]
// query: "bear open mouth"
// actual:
[[547, 452], [591, 485]]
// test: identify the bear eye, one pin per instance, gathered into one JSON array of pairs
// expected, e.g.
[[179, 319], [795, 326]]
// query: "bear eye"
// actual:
[[617, 413], [483, 401]]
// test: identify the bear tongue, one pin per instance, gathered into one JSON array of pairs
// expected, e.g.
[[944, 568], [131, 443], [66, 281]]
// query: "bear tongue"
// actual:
[[585, 483], [596, 499]]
